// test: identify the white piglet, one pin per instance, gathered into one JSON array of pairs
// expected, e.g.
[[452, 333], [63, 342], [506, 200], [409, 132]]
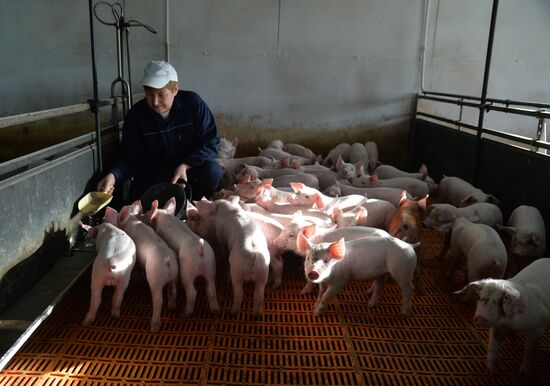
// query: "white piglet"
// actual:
[[528, 237], [158, 260], [249, 256], [485, 253], [332, 265], [520, 304], [113, 264], [459, 192], [195, 255]]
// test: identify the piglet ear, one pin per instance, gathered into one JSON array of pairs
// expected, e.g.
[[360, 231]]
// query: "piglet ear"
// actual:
[[475, 287], [309, 231], [361, 216], [338, 249], [297, 186], [302, 243], [537, 239], [319, 201], [170, 205], [511, 302], [111, 216]]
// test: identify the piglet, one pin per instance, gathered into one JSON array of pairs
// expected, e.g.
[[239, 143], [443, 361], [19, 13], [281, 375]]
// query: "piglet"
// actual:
[[459, 192], [113, 264], [485, 253], [227, 147], [388, 171], [413, 186], [372, 151], [347, 170], [155, 256], [376, 214], [528, 237], [520, 304], [442, 217], [299, 150], [332, 265], [358, 154], [340, 150], [248, 252], [195, 255], [406, 225]]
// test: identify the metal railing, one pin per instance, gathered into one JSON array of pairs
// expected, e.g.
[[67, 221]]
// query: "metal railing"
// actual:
[[540, 111]]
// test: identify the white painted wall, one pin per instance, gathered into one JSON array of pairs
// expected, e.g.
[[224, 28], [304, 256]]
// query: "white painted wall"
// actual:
[[458, 33]]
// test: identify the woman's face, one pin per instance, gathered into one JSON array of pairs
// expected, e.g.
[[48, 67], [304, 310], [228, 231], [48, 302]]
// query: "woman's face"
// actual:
[[160, 99]]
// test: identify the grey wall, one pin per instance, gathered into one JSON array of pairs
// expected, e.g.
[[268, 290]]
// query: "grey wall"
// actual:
[[314, 72], [310, 71], [456, 50]]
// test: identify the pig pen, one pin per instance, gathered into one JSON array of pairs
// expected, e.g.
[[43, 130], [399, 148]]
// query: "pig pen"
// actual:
[[350, 345]]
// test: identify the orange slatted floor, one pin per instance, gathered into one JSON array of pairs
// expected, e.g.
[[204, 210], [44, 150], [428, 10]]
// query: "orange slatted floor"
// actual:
[[350, 345]]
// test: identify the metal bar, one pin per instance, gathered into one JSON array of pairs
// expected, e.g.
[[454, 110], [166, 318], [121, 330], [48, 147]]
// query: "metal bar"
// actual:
[[447, 120], [94, 80], [519, 111], [483, 100], [489, 107], [455, 102], [458, 96], [518, 138], [496, 133], [46, 114], [506, 102], [51, 151], [20, 162]]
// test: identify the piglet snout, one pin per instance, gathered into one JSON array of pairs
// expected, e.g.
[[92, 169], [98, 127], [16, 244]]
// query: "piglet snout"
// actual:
[[479, 319], [313, 275]]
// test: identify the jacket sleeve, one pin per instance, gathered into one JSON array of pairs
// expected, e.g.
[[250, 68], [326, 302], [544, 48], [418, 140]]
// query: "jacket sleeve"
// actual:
[[206, 138]]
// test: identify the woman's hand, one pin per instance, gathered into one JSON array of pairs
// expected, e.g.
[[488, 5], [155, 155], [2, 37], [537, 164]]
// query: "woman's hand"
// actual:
[[107, 184], [180, 172]]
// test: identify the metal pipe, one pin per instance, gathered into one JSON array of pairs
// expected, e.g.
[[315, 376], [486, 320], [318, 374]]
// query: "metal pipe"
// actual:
[[484, 90], [506, 102], [94, 102], [167, 44], [51, 113]]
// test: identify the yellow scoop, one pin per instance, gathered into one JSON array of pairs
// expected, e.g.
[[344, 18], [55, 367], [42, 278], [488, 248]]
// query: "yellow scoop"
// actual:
[[93, 202]]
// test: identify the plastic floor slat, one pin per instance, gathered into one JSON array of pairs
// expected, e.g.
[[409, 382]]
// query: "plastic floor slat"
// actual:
[[351, 344]]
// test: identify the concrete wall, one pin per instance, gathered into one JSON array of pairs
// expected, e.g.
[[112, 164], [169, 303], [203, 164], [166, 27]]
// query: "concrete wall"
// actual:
[[312, 71]]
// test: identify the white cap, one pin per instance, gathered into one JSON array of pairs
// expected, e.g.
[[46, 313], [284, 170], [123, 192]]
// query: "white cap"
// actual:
[[157, 74]]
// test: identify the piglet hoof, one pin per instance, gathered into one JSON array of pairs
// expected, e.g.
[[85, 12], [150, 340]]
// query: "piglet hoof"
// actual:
[[215, 310], [88, 320], [275, 285], [371, 303], [308, 288], [318, 310], [155, 327]]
